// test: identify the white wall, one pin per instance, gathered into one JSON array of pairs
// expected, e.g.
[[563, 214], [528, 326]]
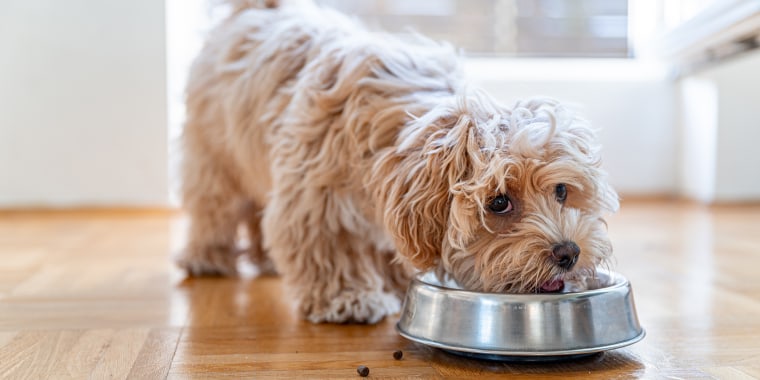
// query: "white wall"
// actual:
[[82, 103], [699, 130], [735, 172], [630, 103]]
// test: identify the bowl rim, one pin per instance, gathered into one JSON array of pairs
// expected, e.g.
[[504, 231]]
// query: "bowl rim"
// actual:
[[619, 281]]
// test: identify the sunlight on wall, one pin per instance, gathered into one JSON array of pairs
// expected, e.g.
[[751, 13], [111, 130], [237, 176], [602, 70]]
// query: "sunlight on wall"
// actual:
[[699, 120], [187, 22]]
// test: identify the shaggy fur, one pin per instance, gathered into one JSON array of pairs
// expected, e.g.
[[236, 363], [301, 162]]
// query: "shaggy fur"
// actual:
[[355, 158]]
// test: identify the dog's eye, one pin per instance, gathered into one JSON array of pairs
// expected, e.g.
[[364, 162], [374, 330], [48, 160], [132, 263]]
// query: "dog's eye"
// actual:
[[561, 192], [500, 204]]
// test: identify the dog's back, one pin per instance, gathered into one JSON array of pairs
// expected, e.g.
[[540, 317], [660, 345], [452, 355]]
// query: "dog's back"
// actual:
[[262, 68], [239, 86]]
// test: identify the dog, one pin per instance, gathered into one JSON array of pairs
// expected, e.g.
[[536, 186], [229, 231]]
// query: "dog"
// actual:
[[355, 159]]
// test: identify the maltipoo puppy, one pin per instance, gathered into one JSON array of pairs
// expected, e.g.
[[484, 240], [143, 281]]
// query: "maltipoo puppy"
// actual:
[[355, 158]]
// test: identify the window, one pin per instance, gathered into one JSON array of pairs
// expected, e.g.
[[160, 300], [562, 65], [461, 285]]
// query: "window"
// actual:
[[523, 28]]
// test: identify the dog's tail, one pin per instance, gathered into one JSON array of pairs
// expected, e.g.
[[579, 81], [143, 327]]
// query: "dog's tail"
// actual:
[[238, 6], [241, 5]]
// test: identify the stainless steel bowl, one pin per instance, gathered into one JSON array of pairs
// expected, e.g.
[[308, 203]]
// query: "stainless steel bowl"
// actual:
[[521, 326]]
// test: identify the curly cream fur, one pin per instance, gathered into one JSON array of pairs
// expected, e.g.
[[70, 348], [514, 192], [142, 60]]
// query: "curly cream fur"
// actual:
[[354, 158]]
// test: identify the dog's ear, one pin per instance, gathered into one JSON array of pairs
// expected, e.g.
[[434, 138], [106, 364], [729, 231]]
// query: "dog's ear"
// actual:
[[545, 130], [581, 143], [413, 183]]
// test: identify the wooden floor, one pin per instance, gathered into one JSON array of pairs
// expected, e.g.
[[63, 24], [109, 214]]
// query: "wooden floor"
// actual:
[[93, 294]]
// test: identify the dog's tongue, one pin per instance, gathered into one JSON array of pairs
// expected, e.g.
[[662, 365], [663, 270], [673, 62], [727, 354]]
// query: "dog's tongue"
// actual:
[[552, 286]]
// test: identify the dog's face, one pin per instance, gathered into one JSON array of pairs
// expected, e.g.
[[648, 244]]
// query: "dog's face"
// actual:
[[501, 200]]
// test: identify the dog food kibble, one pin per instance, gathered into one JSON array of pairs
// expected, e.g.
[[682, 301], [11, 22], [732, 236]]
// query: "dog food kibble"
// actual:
[[363, 370], [398, 354]]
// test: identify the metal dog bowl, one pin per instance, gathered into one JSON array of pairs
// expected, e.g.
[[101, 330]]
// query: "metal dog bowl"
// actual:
[[523, 327]]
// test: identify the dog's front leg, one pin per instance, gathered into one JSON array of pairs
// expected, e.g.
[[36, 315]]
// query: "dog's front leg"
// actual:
[[332, 273]]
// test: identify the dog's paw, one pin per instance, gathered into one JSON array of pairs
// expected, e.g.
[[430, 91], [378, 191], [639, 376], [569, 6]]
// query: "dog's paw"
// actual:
[[263, 264], [356, 307], [266, 268], [211, 261]]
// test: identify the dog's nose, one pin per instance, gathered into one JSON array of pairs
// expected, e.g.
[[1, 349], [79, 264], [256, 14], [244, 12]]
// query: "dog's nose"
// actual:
[[565, 255]]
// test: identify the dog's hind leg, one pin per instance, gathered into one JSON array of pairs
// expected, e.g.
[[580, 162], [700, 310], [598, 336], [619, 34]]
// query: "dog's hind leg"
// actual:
[[212, 200]]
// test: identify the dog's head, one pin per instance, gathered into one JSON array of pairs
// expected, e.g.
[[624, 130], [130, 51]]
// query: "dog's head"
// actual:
[[502, 200]]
